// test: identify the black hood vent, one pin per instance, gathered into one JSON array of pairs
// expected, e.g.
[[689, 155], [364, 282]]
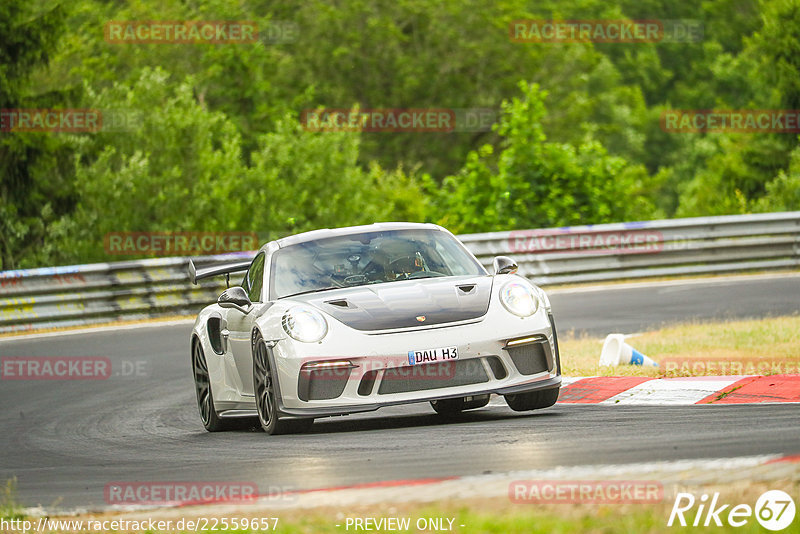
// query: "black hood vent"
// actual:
[[340, 303], [466, 289]]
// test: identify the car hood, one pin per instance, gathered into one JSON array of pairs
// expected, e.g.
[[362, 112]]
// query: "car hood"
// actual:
[[407, 303]]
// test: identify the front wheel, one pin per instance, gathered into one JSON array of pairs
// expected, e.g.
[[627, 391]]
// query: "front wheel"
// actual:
[[535, 400], [267, 397]]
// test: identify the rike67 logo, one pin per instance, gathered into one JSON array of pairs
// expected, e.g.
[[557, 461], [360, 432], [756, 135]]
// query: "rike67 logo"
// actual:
[[774, 510]]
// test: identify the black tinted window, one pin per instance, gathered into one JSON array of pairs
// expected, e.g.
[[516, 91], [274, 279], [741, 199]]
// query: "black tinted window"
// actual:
[[369, 258], [255, 279]]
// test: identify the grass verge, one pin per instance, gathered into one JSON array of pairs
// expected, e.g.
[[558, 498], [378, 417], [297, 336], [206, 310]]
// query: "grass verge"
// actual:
[[9, 507], [758, 346], [498, 515]]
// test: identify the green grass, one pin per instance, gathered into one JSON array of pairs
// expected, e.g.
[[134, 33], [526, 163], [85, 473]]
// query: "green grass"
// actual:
[[754, 343], [495, 515], [9, 507], [520, 519], [528, 521]]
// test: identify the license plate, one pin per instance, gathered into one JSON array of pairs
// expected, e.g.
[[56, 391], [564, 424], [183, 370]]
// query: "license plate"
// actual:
[[444, 354]]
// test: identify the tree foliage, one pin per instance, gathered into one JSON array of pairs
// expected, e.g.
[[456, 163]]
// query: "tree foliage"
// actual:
[[532, 182], [217, 144], [35, 178]]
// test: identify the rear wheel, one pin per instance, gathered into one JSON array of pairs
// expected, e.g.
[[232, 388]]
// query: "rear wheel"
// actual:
[[535, 400], [202, 387], [451, 407], [267, 397]]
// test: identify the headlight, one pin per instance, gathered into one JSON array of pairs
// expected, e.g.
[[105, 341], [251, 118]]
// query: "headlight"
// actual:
[[304, 324], [519, 298]]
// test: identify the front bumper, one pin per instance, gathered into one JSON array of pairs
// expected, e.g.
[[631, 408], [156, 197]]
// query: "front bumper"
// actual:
[[322, 411], [378, 373]]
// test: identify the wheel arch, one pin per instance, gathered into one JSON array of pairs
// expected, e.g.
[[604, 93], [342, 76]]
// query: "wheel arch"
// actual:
[[253, 335], [194, 340]]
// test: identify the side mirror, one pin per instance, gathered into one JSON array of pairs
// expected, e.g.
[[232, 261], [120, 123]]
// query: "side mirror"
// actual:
[[235, 297], [504, 265]]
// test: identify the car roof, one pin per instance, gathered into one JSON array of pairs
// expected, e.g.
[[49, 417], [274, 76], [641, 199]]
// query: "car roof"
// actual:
[[314, 235]]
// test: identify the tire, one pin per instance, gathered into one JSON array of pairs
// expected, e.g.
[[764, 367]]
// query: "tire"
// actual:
[[267, 396], [202, 386], [535, 400], [452, 407], [555, 342]]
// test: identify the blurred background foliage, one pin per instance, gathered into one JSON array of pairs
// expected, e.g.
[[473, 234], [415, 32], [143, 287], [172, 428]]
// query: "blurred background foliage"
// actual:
[[218, 144]]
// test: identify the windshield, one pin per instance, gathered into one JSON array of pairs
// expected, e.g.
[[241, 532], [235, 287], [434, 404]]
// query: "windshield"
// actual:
[[369, 258]]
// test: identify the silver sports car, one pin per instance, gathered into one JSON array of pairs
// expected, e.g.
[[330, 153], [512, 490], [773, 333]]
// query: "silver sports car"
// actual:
[[333, 322]]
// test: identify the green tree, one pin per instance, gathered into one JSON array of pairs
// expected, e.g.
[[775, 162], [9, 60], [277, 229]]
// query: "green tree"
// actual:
[[156, 172], [783, 193], [605, 156], [764, 75], [178, 166], [35, 171], [301, 180], [535, 183]]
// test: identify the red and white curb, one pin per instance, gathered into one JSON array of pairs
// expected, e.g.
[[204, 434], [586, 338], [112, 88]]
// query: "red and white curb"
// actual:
[[680, 391]]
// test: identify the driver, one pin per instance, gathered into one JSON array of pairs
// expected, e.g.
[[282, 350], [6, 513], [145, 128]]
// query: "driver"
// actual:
[[405, 266]]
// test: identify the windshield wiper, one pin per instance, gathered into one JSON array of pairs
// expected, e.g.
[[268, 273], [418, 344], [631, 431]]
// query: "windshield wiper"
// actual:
[[319, 290]]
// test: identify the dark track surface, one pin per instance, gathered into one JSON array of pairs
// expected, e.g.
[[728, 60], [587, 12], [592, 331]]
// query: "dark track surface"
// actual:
[[65, 440], [636, 309]]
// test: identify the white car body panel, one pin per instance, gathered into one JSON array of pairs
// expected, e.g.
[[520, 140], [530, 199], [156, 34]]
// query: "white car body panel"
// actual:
[[231, 372]]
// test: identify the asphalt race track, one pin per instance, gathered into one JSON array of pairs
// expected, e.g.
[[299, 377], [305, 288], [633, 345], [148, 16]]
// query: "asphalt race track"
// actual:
[[65, 440], [649, 306]]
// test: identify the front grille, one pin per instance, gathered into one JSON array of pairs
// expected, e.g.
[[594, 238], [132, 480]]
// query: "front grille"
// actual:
[[497, 367], [531, 358], [432, 376], [367, 383], [324, 384]]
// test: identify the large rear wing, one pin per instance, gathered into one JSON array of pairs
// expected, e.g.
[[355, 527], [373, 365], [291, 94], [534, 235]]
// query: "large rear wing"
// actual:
[[208, 272]]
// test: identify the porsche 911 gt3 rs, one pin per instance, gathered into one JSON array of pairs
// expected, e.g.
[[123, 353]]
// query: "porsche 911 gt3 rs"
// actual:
[[334, 322]]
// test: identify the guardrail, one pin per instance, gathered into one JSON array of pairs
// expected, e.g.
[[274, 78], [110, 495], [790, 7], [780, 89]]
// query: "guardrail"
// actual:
[[603, 252], [96, 293], [87, 294]]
